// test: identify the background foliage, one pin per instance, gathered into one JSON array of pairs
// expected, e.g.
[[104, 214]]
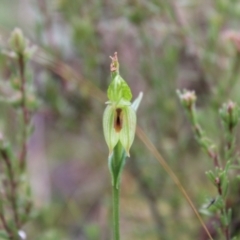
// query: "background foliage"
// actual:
[[162, 46]]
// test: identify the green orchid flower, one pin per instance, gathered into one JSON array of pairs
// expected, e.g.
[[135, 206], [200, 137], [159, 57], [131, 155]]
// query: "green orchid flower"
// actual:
[[119, 118]]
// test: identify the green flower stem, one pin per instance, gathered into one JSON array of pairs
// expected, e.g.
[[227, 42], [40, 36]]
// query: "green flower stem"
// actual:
[[204, 142], [115, 198], [116, 164], [25, 113]]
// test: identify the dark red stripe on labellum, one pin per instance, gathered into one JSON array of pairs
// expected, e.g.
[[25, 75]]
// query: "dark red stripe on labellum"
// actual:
[[118, 120]]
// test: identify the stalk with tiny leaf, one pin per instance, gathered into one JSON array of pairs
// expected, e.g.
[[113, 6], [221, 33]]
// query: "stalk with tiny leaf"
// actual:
[[220, 176], [15, 196]]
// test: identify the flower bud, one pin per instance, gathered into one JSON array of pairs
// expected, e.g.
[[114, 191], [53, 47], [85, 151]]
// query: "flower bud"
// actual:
[[229, 114], [188, 98], [17, 41]]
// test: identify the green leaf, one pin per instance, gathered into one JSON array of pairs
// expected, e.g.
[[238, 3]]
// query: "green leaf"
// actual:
[[224, 182], [211, 176], [229, 214], [228, 165], [226, 217], [225, 185], [206, 212]]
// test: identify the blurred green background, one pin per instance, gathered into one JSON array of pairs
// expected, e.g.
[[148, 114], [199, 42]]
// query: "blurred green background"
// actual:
[[162, 46]]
